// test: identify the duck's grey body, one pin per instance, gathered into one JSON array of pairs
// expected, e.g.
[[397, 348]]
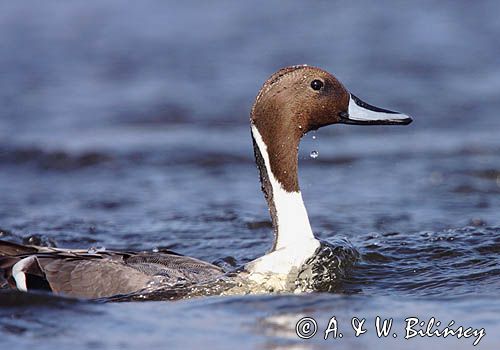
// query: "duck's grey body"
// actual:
[[100, 274]]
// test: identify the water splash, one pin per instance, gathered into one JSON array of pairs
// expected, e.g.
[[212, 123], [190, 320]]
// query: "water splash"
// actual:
[[314, 154], [95, 250]]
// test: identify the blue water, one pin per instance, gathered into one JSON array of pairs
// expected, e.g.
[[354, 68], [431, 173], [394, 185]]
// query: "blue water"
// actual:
[[126, 126]]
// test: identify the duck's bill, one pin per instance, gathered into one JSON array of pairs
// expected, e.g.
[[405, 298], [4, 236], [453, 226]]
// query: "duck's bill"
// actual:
[[362, 113]]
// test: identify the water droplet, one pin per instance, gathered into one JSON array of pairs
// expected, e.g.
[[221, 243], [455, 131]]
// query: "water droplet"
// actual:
[[314, 137], [156, 250], [314, 154]]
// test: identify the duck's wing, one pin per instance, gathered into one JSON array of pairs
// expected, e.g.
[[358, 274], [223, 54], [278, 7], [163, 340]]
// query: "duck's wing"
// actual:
[[82, 274]]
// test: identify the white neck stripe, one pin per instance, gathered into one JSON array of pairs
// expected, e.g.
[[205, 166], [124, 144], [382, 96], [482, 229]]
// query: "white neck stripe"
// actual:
[[292, 220]]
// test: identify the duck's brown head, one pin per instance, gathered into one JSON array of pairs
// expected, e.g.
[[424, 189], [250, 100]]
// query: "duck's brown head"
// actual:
[[298, 99]]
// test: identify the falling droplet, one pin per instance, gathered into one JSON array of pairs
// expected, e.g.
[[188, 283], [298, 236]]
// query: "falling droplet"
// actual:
[[314, 154], [314, 137]]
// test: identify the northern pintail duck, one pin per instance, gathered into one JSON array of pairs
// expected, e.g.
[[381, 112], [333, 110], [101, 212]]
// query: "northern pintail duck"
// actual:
[[292, 102]]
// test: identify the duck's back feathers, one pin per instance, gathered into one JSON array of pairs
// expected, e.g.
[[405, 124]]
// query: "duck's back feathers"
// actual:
[[79, 273]]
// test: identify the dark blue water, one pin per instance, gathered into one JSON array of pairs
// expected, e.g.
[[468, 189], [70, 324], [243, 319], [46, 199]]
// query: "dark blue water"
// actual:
[[126, 126]]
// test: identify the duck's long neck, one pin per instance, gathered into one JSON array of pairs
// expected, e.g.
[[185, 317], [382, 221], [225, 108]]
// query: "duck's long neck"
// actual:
[[278, 166]]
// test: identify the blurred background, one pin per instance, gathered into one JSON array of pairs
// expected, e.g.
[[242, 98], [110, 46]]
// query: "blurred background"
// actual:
[[125, 125]]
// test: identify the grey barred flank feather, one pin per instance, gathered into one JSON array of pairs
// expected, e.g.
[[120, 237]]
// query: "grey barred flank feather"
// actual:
[[97, 275]]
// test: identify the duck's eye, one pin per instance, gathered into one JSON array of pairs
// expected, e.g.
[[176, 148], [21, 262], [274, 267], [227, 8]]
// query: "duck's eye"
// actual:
[[316, 84]]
